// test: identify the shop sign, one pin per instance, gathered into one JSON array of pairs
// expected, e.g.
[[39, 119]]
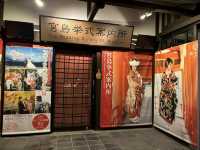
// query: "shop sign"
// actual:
[[83, 32]]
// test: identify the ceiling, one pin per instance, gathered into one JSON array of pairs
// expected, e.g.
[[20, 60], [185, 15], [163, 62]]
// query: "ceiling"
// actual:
[[187, 7], [28, 11], [128, 14], [172, 2]]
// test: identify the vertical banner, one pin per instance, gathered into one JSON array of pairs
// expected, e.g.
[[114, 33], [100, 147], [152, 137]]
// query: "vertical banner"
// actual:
[[175, 91], [27, 95], [106, 93], [126, 93]]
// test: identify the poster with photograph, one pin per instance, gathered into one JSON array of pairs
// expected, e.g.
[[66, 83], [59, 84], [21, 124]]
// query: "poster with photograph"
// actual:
[[126, 93], [175, 91], [27, 95], [19, 102], [43, 102], [14, 79]]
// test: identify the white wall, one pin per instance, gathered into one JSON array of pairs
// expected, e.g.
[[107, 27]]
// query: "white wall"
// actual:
[[146, 27], [27, 11], [127, 16]]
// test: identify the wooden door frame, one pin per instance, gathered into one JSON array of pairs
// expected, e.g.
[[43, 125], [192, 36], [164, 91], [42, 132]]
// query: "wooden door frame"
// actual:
[[94, 113]]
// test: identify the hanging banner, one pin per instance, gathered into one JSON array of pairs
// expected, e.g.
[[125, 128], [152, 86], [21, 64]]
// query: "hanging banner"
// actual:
[[175, 91], [126, 93], [83, 32], [27, 95]]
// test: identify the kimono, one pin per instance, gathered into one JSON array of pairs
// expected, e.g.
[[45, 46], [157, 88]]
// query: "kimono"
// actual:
[[135, 94], [168, 97]]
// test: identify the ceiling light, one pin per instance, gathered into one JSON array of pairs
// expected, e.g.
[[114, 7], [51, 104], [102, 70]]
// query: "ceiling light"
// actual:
[[145, 15], [142, 17], [148, 14], [36, 30], [39, 3]]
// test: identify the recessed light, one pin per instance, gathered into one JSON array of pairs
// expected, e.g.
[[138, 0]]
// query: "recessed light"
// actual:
[[39, 3]]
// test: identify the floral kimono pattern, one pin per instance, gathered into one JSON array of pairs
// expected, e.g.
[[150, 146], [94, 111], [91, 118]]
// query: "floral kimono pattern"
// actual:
[[135, 94], [168, 97]]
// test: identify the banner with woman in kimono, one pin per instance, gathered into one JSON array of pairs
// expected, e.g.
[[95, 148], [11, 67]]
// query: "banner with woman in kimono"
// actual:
[[175, 91], [126, 93]]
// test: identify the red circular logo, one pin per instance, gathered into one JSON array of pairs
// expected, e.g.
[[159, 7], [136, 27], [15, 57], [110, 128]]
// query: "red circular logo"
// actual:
[[40, 122]]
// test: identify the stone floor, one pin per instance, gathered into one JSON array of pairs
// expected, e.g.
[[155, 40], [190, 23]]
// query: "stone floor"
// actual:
[[124, 139]]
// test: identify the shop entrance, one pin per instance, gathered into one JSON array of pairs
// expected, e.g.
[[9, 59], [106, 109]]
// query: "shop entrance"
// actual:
[[73, 86]]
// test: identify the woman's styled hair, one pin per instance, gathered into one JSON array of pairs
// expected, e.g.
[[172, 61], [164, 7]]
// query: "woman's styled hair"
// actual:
[[168, 61], [134, 62]]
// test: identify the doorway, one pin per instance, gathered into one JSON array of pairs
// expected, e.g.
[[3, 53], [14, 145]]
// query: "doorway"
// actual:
[[73, 91]]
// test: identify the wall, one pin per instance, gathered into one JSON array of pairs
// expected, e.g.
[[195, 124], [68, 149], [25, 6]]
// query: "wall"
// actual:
[[23, 10], [27, 11], [127, 16], [146, 27]]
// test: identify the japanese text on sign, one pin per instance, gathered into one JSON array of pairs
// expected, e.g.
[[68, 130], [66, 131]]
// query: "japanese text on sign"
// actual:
[[82, 32], [108, 73]]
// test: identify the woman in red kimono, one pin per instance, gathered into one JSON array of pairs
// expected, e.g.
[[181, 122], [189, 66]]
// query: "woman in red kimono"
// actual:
[[168, 96]]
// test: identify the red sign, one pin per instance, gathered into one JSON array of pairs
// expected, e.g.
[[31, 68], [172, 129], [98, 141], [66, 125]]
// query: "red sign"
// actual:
[[40, 122], [106, 104]]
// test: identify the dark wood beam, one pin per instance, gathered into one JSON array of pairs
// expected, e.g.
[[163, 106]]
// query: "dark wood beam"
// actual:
[[150, 5], [197, 10], [163, 22], [1, 9], [157, 24], [89, 5], [181, 24], [93, 11]]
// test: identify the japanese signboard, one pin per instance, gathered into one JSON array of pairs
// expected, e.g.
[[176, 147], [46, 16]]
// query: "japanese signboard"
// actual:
[[83, 32]]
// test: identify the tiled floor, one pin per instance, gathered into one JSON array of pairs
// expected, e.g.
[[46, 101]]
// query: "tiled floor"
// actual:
[[124, 139]]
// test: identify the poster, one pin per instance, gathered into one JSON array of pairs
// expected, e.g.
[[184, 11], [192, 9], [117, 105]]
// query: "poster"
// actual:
[[175, 91], [126, 93], [27, 95]]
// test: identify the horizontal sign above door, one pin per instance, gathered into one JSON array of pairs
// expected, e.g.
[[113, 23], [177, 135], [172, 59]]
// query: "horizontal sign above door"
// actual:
[[83, 32]]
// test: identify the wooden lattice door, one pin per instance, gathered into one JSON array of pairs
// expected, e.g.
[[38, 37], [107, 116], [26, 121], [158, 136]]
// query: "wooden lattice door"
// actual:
[[73, 86]]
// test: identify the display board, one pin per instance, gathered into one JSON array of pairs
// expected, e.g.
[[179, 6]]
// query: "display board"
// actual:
[[126, 93], [27, 90], [175, 91]]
